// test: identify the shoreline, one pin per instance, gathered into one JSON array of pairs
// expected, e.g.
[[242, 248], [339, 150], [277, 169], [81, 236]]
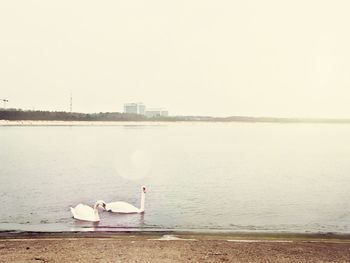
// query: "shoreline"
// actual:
[[325, 237], [170, 247], [4, 123], [83, 123]]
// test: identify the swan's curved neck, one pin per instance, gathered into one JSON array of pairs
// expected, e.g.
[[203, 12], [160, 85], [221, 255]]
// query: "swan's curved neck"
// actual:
[[97, 216], [143, 195]]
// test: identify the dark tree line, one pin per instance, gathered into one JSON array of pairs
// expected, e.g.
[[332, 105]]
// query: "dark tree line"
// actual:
[[67, 116], [16, 114]]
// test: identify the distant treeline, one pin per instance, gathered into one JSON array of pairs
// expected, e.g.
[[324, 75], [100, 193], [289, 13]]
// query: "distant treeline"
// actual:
[[286, 120], [14, 114], [18, 115]]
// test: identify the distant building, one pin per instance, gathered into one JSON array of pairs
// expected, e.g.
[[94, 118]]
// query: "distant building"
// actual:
[[130, 108], [151, 113], [141, 108], [134, 108]]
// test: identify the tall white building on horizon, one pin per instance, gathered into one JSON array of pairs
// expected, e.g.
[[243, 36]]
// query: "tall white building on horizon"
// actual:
[[135, 108], [140, 108]]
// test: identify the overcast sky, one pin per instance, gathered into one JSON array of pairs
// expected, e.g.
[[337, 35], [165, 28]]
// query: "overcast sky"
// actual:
[[194, 57]]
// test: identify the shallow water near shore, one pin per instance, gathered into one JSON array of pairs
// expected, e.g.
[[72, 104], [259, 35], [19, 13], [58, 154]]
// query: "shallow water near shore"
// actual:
[[199, 176]]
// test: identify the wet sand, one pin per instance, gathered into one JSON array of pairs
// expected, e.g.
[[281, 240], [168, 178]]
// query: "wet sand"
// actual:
[[155, 248]]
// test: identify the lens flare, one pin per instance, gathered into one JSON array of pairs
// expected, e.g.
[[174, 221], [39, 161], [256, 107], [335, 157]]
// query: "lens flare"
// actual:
[[135, 166]]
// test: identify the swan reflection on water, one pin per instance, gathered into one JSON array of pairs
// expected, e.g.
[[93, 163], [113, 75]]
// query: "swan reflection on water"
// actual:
[[122, 222]]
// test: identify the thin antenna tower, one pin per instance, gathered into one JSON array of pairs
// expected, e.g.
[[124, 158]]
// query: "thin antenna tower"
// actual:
[[71, 103]]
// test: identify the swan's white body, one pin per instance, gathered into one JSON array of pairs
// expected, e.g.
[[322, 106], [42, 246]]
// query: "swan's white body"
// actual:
[[87, 213], [126, 208]]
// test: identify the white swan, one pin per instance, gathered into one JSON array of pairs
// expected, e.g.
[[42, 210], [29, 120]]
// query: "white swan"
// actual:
[[87, 213], [126, 208]]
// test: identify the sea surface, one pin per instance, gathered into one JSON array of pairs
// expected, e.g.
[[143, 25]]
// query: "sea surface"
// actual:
[[199, 176]]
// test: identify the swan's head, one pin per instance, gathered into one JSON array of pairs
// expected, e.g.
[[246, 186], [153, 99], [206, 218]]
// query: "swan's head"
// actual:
[[101, 203], [143, 188]]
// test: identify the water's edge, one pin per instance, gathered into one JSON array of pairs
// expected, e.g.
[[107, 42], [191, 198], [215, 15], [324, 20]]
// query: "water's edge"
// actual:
[[202, 235]]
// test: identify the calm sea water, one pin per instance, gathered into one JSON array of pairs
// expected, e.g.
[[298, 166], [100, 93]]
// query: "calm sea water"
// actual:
[[199, 176]]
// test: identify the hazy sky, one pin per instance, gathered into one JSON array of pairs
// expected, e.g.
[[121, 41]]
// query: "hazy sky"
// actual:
[[261, 58]]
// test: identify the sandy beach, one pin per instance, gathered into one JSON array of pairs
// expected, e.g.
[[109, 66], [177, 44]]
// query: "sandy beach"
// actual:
[[141, 247], [82, 123]]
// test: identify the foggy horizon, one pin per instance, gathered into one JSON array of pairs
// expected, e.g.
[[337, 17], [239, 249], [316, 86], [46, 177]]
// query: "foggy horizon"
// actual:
[[203, 58]]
